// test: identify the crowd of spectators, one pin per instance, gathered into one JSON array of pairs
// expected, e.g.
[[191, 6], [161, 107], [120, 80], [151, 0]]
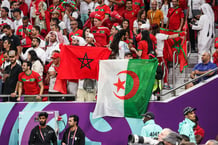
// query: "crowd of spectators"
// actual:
[[31, 32]]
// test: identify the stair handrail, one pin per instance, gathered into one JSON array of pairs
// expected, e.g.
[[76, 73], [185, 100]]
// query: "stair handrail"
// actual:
[[199, 77], [175, 64]]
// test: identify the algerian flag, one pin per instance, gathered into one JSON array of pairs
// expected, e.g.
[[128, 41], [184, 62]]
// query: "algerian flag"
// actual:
[[124, 87]]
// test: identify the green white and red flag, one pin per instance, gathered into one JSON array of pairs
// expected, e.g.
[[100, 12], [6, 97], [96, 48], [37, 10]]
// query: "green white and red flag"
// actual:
[[125, 87]]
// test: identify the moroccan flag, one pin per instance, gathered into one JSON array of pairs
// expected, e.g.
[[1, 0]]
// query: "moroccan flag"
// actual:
[[125, 87], [79, 62], [179, 45]]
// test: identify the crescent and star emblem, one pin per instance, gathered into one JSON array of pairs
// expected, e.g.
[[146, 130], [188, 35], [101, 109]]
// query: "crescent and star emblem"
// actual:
[[120, 85]]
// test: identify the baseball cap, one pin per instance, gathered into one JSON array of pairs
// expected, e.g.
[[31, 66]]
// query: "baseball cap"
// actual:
[[188, 110], [148, 115], [99, 17], [115, 15], [92, 15], [91, 36], [55, 55], [70, 4], [116, 26]]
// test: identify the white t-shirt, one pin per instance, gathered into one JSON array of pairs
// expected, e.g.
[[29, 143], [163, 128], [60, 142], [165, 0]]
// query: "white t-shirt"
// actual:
[[135, 23], [84, 6], [66, 20], [38, 67], [165, 9], [160, 43], [17, 23], [39, 51], [123, 48], [8, 21], [50, 49]]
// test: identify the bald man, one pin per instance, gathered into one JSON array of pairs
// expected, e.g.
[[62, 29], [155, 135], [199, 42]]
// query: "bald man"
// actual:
[[154, 15], [202, 68]]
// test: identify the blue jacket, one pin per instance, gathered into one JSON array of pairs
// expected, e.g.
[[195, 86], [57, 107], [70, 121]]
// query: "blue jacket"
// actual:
[[151, 129], [186, 128]]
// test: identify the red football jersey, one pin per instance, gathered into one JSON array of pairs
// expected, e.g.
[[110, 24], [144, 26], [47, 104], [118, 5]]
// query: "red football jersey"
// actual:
[[101, 35], [30, 82], [78, 32]]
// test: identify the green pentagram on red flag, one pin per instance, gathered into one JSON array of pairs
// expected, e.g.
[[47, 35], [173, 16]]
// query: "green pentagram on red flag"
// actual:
[[85, 61]]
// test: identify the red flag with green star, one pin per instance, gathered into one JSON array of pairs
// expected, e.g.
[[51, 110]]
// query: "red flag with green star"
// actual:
[[177, 44]]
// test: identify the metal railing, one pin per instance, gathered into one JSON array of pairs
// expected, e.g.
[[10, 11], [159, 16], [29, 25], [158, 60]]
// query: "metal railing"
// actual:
[[43, 95], [175, 64], [195, 79]]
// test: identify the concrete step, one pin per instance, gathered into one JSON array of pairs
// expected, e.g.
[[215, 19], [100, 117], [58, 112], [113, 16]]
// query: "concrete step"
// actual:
[[180, 77]]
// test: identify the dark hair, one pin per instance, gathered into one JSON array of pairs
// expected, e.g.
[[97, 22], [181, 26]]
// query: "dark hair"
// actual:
[[28, 63], [6, 9], [146, 37], [6, 27], [9, 41], [16, 10], [75, 118], [84, 31], [56, 20], [25, 18], [185, 137], [115, 43], [140, 14], [57, 26], [38, 40], [124, 21], [37, 28], [34, 56], [43, 114], [128, 0], [155, 29]]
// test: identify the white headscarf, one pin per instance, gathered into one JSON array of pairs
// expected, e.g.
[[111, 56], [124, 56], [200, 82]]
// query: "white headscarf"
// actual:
[[207, 10]]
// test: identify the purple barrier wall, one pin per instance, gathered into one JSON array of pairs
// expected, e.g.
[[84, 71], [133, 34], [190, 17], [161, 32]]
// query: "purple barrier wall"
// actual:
[[168, 115]]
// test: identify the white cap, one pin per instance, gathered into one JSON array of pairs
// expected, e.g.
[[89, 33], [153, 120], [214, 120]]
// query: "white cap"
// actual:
[[90, 35], [82, 42]]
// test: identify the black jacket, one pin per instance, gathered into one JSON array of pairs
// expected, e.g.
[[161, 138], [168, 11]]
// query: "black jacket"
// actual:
[[79, 137], [36, 138]]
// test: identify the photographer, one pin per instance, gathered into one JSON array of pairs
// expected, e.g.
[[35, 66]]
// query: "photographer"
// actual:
[[166, 137]]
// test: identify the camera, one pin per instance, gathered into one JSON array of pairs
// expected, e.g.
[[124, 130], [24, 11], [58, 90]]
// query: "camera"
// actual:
[[133, 139]]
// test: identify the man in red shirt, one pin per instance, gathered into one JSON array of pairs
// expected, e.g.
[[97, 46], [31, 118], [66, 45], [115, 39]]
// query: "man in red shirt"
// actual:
[[23, 7], [100, 32], [175, 17], [114, 18], [138, 4], [24, 32], [30, 82], [119, 6], [75, 30], [103, 10], [130, 14]]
